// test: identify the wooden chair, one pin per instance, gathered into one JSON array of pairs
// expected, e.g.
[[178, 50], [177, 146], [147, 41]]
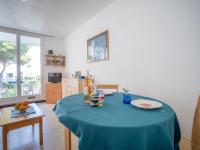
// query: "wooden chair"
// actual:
[[185, 144], [196, 128], [108, 86]]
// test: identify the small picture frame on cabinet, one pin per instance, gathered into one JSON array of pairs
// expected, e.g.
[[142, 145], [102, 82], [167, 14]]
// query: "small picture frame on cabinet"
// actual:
[[77, 74]]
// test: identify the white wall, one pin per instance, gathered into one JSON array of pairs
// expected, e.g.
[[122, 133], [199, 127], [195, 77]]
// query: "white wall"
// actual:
[[57, 44], [154, 47]]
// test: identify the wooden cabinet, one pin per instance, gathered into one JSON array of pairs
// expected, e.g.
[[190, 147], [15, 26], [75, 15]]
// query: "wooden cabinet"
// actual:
[[71, 86], [53, 92]]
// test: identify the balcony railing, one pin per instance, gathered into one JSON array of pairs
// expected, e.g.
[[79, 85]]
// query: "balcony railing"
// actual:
[[29, 86]]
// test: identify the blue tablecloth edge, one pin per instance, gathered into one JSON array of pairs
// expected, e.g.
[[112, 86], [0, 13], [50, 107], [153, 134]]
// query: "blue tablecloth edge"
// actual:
[[176, 143]]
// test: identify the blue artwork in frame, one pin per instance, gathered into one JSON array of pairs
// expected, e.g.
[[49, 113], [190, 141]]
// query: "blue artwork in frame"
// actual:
[[98, 47]]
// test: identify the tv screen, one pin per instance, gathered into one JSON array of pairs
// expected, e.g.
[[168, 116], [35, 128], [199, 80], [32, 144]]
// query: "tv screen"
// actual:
[[54, 77]]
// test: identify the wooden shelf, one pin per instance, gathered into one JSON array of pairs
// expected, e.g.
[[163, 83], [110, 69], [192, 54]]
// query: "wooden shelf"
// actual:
[[55, 60]]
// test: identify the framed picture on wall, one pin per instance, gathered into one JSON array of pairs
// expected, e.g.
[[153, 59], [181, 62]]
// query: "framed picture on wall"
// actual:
[[98, 47]]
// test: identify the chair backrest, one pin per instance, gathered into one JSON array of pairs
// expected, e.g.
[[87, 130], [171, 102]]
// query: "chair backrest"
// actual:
[[108, 86], [196, 128]]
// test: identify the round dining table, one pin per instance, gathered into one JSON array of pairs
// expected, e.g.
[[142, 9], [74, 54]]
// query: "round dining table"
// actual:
[[119, 126]]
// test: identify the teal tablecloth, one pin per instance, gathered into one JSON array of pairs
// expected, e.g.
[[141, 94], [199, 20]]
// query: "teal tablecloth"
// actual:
[[118, 126]]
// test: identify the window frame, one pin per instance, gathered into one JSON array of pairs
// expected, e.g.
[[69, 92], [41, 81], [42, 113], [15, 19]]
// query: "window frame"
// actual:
[[19, 97]]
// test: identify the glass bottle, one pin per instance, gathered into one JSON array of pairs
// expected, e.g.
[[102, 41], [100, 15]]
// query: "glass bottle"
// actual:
[[126, 96], [85, 90]]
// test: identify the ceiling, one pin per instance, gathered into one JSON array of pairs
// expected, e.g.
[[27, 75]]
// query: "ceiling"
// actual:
[[52, 17]]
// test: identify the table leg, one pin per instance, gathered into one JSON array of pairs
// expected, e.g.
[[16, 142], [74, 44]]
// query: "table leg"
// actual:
[[4, 137], [41, 130], [67, 139]]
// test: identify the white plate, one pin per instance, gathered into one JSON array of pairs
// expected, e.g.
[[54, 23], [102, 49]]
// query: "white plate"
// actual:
[[146, 104], [108, 93]]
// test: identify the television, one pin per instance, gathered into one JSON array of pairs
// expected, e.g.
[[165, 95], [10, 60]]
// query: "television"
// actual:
[[54, 77]]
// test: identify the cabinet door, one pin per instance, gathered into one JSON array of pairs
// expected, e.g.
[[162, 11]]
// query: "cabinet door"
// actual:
[[75, 86], [66, 87], [70, 87], [57, 91], [53, 92], [49, 93]]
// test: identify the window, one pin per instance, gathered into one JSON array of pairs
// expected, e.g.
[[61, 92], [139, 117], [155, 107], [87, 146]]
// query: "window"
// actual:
[[20, 63]]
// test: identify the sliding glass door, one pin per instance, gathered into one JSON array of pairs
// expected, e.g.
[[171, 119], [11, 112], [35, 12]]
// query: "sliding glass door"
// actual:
[[30, 66], [8, 65], [20, 73]]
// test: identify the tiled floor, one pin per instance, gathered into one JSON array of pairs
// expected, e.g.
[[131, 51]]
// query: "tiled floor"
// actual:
[[27, 138]]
